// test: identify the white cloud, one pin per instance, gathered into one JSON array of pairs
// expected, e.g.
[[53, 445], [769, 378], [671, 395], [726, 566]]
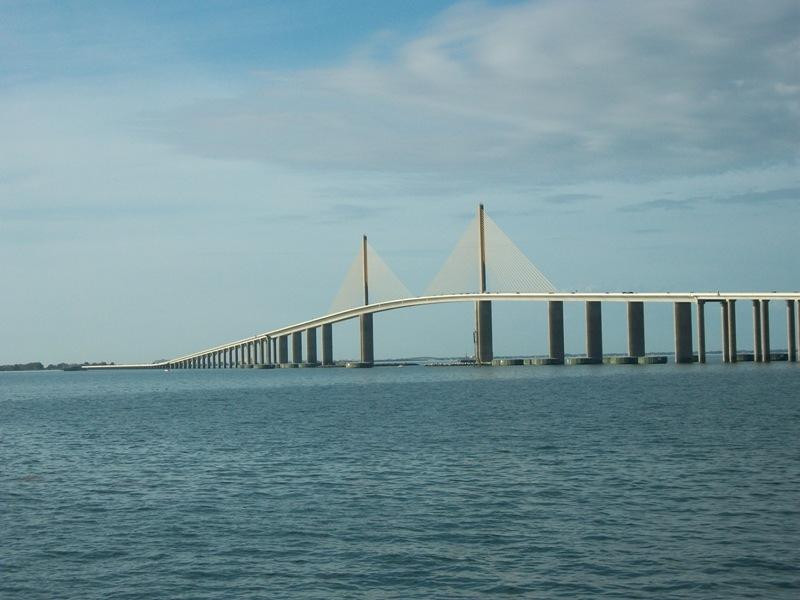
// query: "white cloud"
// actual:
[[541, 91]]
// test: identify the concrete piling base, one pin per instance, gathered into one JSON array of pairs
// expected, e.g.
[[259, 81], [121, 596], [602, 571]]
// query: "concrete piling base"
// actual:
[[508, 362], [652, 360], [542, 361], [621, 360], [583, 360]]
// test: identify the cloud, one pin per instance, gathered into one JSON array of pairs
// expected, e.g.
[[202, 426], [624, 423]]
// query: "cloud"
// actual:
[[764, 197], [539, 91], [561, 199], [660, 204]]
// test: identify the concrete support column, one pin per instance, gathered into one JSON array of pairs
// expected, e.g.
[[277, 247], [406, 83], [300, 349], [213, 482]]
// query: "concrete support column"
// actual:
[[701, 331], [274, 342], [732, 330], [757, 331], [327, 344], [765, 350], [636, 329], [311, 345], [791, 339], [726, 345], [367, 347], [483, 331], [283, 349], [683, 332], [555, 330], [248, 353], [264, 351], [297, 347], [594, 331]]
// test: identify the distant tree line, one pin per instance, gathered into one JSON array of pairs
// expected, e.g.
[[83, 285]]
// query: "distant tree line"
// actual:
[[37, 366]]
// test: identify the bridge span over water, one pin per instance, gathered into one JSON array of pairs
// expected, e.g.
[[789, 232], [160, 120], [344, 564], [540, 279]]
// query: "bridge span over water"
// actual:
[[271, 348]]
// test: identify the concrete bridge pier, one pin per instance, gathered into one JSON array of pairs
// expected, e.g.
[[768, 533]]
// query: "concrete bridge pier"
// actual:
[[594, 331], [791, 345], [555, 331], [311, 345], [683, 332], [275, 350], [367, 347], [757, 356], [636, 329], [297, 347], [732, 329], [726, 345], [327, 345], [484, 352], [701, 331], [765, 350], [729, 331], [283, 349]]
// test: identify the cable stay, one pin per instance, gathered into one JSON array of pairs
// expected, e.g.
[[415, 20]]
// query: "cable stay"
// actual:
[[507, 267], [368, 280]]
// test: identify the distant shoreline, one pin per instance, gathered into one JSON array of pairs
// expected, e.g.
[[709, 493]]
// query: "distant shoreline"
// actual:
[[37, 366]]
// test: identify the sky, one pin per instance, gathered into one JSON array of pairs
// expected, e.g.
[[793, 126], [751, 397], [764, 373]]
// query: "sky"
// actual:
[[175, 175]]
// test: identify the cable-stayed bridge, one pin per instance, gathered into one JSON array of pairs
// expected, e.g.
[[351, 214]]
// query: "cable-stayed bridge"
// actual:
[[485, 267]]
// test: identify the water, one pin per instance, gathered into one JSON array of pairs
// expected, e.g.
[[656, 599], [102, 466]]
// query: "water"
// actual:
[[617, 482]]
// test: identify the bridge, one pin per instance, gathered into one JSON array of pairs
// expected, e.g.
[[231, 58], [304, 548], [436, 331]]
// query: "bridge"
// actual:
[[485, 248]]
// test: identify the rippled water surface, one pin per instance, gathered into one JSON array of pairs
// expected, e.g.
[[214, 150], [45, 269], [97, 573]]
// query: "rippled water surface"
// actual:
[[626, 482]]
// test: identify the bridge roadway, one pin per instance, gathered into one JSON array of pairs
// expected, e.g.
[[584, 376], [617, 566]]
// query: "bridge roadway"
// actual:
[[635, 300]]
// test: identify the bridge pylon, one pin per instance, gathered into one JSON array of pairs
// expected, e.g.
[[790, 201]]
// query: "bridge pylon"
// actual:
[[365, 321], [483, 308]]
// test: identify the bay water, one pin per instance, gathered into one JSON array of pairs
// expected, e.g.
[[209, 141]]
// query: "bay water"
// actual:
[[674, 481]]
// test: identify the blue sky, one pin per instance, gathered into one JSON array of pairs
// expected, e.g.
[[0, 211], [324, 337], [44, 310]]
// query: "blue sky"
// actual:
[[178, 174]]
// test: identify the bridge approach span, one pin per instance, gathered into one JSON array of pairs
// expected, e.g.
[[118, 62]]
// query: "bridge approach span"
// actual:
[[368, 309]]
